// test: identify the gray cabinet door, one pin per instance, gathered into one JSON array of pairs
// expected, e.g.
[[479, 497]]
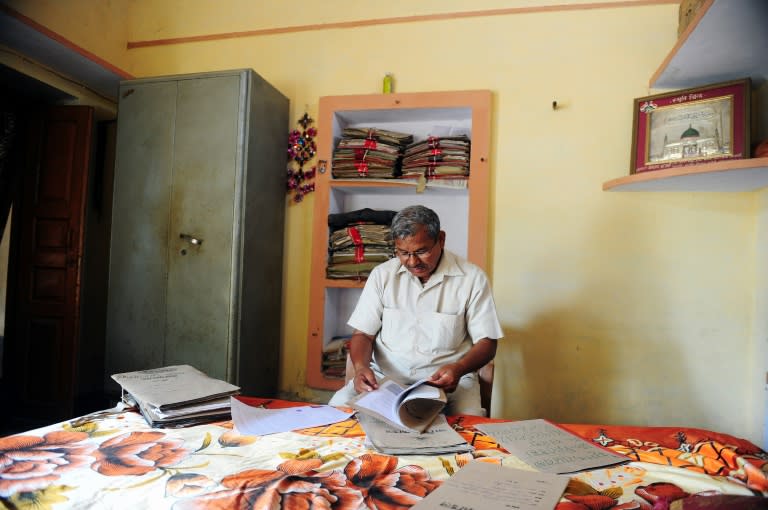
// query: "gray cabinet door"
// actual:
[[136, 317], [197, 235], [179, 162], [205, 188]]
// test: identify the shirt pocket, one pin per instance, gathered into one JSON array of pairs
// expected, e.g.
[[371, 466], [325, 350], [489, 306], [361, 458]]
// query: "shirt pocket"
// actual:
[[397, 334], [445, 332]]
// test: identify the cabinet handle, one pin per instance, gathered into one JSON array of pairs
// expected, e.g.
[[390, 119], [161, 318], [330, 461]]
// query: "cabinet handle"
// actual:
[[191, 239]]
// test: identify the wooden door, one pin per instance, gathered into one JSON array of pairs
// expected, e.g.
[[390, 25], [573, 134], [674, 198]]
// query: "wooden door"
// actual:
[[42, 344]]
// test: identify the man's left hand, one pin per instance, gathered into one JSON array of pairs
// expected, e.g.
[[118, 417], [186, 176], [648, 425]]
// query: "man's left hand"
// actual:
[[447, 377]]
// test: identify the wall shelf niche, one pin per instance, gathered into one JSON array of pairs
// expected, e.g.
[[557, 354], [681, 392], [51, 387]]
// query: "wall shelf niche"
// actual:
[[463, 211]]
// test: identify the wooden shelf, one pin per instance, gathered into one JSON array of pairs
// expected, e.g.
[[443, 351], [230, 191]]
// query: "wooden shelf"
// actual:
[[725, 41], [344, 283], [393, 186], [730, 175]]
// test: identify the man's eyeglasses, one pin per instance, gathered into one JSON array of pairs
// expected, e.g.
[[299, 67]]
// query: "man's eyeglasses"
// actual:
[[419, 254]]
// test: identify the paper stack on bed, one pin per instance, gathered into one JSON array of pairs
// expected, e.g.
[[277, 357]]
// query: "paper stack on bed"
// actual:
[[438, 439], [406, 420], [177, 396], [410, 408]]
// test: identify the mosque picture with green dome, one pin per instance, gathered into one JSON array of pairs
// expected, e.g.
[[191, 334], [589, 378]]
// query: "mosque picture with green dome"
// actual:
[[691, 126], [682, 133]]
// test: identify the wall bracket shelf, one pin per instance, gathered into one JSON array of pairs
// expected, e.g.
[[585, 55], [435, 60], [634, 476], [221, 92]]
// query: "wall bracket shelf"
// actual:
[[732, 36], [730, 175]]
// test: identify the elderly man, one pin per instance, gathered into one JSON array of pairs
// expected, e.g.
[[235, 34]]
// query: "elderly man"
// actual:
[[425, 314]]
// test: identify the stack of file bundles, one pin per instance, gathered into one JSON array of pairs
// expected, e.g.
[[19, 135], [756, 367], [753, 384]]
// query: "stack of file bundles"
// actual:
[[437, 157], [369, 152], [177, 396], [335, 357], [358, 241]]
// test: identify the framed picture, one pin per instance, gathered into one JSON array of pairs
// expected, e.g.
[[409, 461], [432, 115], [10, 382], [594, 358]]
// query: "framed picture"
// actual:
[[691, 126]]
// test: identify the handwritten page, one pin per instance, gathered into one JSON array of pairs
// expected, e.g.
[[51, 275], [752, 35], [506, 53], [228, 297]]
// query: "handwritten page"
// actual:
[[546, 447], [173, 386], [485, 486], [256, 421]]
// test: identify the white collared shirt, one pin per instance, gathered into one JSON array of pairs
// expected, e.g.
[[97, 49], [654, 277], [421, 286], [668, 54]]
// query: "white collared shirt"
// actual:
[[419, 328]]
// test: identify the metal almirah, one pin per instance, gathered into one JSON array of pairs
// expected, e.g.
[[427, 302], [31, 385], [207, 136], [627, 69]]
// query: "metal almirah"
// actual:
[[197, 227]]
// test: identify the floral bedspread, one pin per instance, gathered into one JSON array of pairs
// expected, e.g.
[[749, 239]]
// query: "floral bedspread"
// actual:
[[114, 460]]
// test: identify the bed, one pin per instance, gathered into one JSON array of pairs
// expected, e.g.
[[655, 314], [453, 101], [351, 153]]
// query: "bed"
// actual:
[[113, 459]]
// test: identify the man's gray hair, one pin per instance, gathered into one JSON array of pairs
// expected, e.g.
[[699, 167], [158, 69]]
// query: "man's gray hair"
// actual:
[[408, 221]]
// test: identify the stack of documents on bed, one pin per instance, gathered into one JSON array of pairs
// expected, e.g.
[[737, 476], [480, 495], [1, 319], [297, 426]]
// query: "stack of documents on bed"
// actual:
[[438, 439], [177, 396], [409, 408]]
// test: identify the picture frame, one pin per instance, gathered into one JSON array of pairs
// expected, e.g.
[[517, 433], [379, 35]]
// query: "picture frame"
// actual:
[[691, 126]]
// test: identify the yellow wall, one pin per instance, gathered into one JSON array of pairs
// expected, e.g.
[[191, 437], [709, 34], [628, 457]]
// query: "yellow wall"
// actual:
[[757, 371], [634, 308]]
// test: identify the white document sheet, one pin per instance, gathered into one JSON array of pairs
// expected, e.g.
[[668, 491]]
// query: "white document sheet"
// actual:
[[256, 421], [485, 486], [549, 448]]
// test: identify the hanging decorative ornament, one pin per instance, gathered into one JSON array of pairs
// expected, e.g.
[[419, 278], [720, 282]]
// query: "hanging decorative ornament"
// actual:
[[301, 149]]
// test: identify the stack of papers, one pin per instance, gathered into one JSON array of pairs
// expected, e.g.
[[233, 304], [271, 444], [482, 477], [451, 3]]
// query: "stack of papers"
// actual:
[[176, 396], [438, 439], [410, 408], [369, 152], [335, 357], [359, 241], [437, 157]]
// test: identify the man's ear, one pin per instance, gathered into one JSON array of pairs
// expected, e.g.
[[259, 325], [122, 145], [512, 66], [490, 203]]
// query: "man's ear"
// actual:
[[441, 238]]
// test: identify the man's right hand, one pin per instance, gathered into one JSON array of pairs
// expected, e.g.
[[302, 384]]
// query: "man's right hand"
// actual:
[[365, 380], [360, 352]]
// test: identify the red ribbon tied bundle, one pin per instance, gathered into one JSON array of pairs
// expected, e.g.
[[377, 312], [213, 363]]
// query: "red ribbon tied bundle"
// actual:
[[358, 242]]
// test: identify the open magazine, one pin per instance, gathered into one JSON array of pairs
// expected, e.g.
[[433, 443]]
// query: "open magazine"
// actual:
[[409, 408]]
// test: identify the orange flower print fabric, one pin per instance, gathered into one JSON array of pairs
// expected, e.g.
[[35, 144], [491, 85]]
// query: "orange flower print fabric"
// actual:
[[369, 481], [138, 453], [30, 463]]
